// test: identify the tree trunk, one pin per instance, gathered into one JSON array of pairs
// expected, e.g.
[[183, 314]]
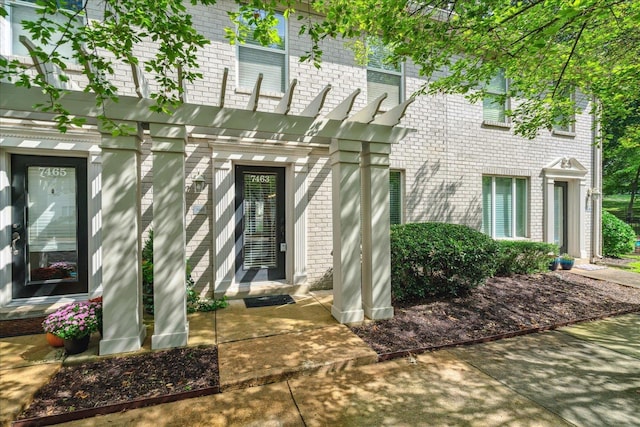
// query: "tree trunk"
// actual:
[[634, 190]]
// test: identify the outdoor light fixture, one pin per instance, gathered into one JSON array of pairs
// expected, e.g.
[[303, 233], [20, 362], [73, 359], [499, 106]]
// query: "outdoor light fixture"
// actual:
[[198, 183]]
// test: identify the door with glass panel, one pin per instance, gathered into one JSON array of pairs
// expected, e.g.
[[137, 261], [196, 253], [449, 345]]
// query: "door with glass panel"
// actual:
[[260, 223], [560, 215], [48, 226]]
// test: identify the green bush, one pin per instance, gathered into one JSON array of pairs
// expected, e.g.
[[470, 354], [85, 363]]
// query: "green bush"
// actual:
[[436, 259], [524, 257], [194, 302], [618, 238]]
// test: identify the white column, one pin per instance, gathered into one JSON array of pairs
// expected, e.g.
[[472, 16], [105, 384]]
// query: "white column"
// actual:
[[95, 225], [548, 210], [123, 329], [580, 226], [376, 245], [300, 223], [171, 328], [223, 226], [345, 171]]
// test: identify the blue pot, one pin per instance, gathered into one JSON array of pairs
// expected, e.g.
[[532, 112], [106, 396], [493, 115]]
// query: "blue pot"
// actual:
[[566, 264]]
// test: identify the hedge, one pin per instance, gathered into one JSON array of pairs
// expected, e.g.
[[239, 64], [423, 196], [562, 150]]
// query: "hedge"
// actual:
[[437, 259], [524, 257], [618, 238]]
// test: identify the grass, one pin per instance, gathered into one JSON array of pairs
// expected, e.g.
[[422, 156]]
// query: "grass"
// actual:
[[617, 205], [634, 266]]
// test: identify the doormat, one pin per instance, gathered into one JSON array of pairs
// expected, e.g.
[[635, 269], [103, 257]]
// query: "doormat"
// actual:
[[589, 267], [268, 300]]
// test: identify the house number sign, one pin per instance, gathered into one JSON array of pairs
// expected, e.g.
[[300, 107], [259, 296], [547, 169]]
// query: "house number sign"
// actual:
[[52, 172], [262, 179]]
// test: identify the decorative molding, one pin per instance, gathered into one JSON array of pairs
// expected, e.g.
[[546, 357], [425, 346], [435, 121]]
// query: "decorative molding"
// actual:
[[9, 136], [565, 167]]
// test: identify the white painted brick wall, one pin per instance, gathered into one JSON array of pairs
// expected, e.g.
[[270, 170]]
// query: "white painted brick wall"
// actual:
[[443, 161]]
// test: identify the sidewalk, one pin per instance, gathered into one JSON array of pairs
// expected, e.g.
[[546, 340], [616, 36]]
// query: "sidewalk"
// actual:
[[616, 275], [585, 375]]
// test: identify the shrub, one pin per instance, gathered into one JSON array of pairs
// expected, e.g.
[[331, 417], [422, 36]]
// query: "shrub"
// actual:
[[618, 238], [436, 259], [524, 257], [194, 302]]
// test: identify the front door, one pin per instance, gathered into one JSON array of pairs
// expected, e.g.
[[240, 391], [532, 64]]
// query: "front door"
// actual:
[[49, 226], [560, 215], [260, 223]]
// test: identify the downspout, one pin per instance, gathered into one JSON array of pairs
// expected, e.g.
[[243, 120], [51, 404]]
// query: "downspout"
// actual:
[[596, 182]]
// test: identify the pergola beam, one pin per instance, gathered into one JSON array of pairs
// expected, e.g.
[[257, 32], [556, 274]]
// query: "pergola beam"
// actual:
[[17, 102]]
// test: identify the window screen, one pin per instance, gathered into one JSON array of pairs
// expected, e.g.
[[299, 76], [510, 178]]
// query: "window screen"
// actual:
[[382, 76], [493, 104], [505, 204], [271, 61], [26, 11], [395, 197]]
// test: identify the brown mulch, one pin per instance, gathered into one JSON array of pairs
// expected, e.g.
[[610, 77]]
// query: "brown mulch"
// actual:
[[503, 305], [124, 379]]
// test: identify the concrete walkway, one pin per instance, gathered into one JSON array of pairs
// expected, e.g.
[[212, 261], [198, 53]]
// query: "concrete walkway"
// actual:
[[293, 365], [616, 275]]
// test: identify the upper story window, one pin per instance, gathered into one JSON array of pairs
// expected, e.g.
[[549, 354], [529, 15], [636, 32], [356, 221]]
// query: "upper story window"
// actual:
[[505, 206], [395, 197], [271, 61], [494, 103], [565, 123], [25, 10], [383, 77]]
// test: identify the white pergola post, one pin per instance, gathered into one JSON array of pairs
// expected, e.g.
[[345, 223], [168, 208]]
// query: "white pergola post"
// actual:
[[345, 170], [171, 328], [121, 248], [376, 246]]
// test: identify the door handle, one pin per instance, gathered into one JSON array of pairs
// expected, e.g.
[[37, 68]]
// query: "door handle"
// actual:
[[15, 236]]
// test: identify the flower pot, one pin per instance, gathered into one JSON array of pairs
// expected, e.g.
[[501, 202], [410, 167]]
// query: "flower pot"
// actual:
[[553, 265], [567, 264], [54, 340], [76, 345]]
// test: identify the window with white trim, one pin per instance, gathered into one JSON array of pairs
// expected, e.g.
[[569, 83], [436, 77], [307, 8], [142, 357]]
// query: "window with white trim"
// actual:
[[271, 61], [565, 123], [25, 10], [494, 103], [505, 206], [396, 198], [383, 77]]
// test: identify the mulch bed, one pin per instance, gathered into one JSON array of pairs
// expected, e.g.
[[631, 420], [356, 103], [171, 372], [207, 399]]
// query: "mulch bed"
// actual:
[[124, 379], [503, 306]]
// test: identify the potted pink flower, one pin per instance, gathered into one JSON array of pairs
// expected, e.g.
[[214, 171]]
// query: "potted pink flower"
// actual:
[[74, 323]]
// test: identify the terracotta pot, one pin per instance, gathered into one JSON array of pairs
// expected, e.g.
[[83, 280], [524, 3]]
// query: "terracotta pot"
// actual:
[[76, 345], [54, 341]]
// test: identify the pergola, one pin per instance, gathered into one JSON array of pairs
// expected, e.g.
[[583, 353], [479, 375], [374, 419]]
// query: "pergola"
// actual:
[[358, 144]]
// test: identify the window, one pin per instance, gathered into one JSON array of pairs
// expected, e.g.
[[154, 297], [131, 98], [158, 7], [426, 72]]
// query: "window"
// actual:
[[563, 122], [494, 103], [25, 10], [383, 77], [504, 206], [271, 61], [395, 197]]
